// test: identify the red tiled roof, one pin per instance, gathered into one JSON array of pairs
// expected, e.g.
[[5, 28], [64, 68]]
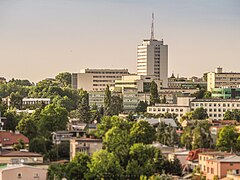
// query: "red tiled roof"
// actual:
[[11, 138], [193, 154]]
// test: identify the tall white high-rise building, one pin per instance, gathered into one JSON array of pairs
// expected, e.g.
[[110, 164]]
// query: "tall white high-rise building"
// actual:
[[152, 59]]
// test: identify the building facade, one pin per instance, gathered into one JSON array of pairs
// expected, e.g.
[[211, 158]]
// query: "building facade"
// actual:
[[97, 79], [152, 59], [216, 108], [220, 79], [226, 93], [87, 145]]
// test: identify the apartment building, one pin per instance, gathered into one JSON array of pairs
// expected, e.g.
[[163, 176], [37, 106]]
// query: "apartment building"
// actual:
[[216, 107], [97, 79], [87, 145], [180, 108], [220, 79], [226, 93]]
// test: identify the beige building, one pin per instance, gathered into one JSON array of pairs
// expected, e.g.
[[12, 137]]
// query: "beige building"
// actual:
[[220, 79], [19, 157], [216, 108], [152, 59], [180, 108], [97, 79], [87, 145], [23, 172]]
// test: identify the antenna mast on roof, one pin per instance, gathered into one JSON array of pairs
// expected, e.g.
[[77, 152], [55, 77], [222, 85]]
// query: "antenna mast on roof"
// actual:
[[152, 27]]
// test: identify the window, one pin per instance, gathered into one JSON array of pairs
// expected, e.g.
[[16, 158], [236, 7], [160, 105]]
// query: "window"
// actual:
[[35, 175], [19, 175], [231, 164], [211, 170]]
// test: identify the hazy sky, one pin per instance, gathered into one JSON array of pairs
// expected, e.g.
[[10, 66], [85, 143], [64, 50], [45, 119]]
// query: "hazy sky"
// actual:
[[40, 38]]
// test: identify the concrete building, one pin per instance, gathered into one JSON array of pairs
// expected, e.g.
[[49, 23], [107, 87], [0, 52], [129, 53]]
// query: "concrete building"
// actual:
[[140, 82], [33, 101], [216, 108], [152, 59], [97, 79], [180, 108], [83, 144], [96, 97], [16, 172], [220, 79]]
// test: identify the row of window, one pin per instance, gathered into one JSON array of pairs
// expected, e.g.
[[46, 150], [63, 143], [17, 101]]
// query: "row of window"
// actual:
[[107, 72], [165, 109], [215, 104], [115, 77]]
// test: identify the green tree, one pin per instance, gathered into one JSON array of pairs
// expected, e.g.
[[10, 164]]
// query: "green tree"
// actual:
[[227, 139], [52, 118], [12, 119], [154, 96], [59, 151], [142, 132], [200, 114], [28, 127], [105, 165], [207, 95], [84, 111], [16, 100], [232, 115], [142, 107], [19, 145], [56, 171], [107, 102], [38, 145], [116, 105], [77, 168], [64, 79]]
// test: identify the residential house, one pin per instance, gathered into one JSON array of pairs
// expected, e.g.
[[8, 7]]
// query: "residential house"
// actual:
[[17, 172], [8, 139], [88, 145]]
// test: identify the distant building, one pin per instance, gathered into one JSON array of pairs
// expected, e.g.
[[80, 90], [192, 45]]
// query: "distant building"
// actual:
[[180, 108], [216, 108], [88, 145], [97, 79], [34, 101], [220, 79], [152, 59], [16, 172]]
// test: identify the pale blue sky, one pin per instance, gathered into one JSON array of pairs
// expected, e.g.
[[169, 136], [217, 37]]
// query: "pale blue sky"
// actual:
[[39, 38]]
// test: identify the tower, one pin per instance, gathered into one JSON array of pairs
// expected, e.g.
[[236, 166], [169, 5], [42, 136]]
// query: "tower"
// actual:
[[152, 58]]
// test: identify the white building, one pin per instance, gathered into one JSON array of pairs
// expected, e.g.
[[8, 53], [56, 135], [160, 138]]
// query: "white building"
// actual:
[[97, 79], [33, 101], [152, 59], [220, 79], [216, 107], [180, 108], [139, 82]]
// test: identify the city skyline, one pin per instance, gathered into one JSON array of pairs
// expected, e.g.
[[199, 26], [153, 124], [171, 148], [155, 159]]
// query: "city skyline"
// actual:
[[42, 38]]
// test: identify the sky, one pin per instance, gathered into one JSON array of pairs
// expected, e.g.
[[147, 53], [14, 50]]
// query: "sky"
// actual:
[[40, 38]]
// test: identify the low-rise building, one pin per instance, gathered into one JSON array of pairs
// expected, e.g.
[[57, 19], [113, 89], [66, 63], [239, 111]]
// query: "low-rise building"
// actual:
[[219, 166], [220, 79], [97, 79], [203, 158], [9, 139], [20, 157], [88, 145], [181, 108], [34, 101], [216, 108], [16, 172]]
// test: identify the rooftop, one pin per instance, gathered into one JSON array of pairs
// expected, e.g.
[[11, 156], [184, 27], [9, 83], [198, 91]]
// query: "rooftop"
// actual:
[[11, 138]]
